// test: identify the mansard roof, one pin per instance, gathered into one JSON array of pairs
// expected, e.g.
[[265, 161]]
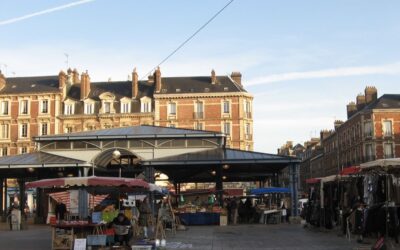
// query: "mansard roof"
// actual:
[[32, 84]]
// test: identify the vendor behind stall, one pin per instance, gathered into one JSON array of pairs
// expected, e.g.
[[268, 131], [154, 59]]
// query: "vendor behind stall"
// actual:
[[145, 215], [122, 227], [60, 210]]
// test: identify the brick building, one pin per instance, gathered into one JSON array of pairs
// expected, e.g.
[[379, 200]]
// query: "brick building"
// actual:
[[70, 102]]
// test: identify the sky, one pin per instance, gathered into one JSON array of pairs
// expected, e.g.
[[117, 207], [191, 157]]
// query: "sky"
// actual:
[[302, 60]]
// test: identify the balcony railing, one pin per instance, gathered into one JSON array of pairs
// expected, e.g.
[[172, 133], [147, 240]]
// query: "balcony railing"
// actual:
[[368, 134], [249, 137], [389, 156], [387, 134], [369, 157], [198, 115], [248, 115]]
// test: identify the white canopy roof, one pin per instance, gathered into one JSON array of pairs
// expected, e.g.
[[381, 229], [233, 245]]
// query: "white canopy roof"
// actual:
[[383, 163]]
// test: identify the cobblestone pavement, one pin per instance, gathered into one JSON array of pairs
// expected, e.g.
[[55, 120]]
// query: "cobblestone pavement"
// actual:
[[267, 237]]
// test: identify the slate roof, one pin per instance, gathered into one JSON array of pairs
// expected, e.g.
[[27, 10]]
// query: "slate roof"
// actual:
[[33, 84], [386, 101], [36, 159], [221, 156], [198, 84], [170, 85], [142, 131]]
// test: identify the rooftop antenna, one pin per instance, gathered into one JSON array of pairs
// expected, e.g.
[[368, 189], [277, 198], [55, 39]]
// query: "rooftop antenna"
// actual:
[[66, 59]]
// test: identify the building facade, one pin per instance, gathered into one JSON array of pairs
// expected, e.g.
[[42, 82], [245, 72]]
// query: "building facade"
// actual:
[[70, 102]]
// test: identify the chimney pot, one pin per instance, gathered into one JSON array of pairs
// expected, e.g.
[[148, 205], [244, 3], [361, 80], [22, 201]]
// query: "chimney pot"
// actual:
[[62, 79], [157, 77], [75, 76], [85, 85], [371, 94], [351, 109]]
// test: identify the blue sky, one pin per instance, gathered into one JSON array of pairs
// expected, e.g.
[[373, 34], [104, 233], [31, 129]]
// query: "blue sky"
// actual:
[[302, 60]]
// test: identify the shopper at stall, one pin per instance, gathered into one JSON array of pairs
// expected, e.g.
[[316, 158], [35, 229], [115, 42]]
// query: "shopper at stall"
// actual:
[[123, 232], [234, 210], [144, 217], [60, 210]]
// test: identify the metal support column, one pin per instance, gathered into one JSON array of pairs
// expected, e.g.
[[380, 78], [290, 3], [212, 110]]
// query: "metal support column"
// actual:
[[219, 186], [2, 209], [293, 184]]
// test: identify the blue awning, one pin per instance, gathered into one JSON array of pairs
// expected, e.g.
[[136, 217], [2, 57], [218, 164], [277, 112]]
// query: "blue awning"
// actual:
[[270, 190]]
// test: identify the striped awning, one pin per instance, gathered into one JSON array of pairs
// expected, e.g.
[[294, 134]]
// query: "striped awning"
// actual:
[[65, 197]]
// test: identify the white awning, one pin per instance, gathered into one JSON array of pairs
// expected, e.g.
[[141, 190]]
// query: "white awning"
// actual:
[[382, 163]]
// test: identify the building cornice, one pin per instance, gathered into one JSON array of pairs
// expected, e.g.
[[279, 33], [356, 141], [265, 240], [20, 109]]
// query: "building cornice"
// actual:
[[202, 95]]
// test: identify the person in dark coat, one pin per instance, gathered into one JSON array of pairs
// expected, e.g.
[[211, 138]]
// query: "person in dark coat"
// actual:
[[60, 210], [122, 220]]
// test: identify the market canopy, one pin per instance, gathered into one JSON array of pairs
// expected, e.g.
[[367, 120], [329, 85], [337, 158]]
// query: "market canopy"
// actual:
[[238, 165], [92, 181], [382, 163], [270, 190]]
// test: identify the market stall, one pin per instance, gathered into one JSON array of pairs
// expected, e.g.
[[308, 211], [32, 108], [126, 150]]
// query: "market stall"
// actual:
[[273, 206], [93, 227]]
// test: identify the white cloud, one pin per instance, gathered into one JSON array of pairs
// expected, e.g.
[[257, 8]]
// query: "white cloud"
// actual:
[[387, 69], [43, 12]]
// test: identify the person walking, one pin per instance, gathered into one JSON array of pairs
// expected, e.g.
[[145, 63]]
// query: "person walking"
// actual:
[[144, 216], [234, 210]]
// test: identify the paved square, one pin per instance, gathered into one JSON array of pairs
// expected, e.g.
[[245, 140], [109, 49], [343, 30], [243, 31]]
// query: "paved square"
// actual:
[[207, 237]]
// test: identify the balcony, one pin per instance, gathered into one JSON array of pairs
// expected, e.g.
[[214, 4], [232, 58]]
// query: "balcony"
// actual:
[[368, 134], [369, 158], [387, 134], [198, 115], [387, 156]]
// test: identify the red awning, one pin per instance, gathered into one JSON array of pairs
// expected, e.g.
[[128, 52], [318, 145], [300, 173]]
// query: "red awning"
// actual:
[[313, 180], [350, 170], [88, 182], [65, 198]]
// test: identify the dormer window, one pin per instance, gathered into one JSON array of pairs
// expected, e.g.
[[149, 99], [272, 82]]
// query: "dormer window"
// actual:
[[89, 108], [125, 105], [107, 107], [69, 109], [145, 104]]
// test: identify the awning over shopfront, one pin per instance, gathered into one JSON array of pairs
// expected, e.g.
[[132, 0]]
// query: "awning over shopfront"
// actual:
[[270, 190], [350, 170], [313, 180]]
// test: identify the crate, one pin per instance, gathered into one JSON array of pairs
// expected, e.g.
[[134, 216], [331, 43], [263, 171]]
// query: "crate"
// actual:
[[96, 240], [142, 247]]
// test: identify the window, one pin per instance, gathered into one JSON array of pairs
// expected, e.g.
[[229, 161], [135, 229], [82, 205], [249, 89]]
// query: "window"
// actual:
[[68, 130], [44, 106], [23, 107], [125, 107], [4, 151], [198, 126], [145, 104], [387, 128], [227, 128], [43, 129], [388, 150], [247, 108], [4, 133], [107, 107], [68, 109], [23, 150], [4, 107], [172, 108], [89, 108], [24, 130], [199, 110], [227, 106], [368, 152], [248, 132], [367, 129]]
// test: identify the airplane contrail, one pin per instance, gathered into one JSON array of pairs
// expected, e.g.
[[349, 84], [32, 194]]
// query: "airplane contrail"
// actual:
[[43, 12]]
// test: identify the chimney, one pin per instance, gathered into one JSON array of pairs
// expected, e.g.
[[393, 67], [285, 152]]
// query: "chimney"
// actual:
[[2, 80], [62, 79], [85, 85], [213, 77], [157, 76], [360, 102], [237, 77], [324, 134], [135, 84], [337, 124], [151, 79], [371, 94], [75, 76], [351, 109]]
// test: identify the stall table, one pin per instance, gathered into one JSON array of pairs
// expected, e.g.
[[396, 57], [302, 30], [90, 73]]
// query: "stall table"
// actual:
[[200, 218]]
